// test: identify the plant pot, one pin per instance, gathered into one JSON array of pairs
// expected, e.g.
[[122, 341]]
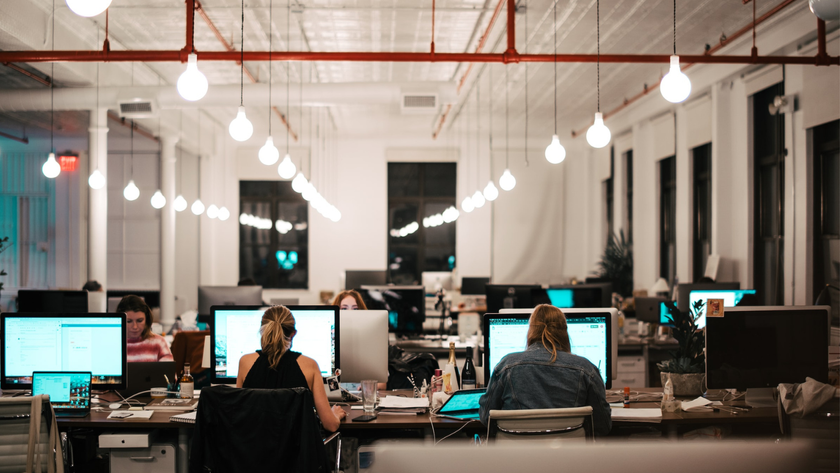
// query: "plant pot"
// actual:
[[688, 384]]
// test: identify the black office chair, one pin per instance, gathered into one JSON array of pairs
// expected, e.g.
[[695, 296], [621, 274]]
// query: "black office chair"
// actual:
[[252, 430]]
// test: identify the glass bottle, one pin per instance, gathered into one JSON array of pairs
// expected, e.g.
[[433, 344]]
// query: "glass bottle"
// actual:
[[451, 368], [468, 377], [187, 383]]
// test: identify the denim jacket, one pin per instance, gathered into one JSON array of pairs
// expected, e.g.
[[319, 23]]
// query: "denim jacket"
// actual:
[[529, 380]]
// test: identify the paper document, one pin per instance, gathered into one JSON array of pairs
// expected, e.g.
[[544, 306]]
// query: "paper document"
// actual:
[[126, 414], [397, 402], [699, 402], [637, 415]]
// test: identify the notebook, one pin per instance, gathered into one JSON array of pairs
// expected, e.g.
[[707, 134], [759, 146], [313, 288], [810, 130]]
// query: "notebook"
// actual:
[[462, 405], [69, 391], [188, 418]]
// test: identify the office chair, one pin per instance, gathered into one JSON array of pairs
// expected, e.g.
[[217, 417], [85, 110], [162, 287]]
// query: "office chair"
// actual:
[[188, 347], [541, 425], [820, 429], [252, 430], [29, 435]]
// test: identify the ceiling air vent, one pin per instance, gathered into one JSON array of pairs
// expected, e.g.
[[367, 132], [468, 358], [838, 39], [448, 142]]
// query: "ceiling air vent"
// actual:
[[137, 108], [419, 103]]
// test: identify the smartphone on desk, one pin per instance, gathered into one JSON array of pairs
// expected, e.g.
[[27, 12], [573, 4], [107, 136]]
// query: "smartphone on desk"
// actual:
[[364, 418]]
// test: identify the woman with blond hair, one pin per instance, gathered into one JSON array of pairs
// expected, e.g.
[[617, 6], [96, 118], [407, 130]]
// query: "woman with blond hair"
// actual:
[[547, 375], [277, 367]]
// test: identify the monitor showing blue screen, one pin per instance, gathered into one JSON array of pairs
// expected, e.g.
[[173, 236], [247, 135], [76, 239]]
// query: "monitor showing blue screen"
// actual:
[[731, 298], [66, 390], [562, 298], [236, 332], [59, 342], [589, 336]]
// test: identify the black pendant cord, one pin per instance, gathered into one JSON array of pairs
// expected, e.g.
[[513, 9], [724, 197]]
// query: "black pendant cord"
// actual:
[[242, 56], [132, 151], [555, 67], [270, 75], [198, 178], [478, 132], [490, 111], [52, 82], [527, 164], [507, 119], [675, 27], [180, 153], [288, 68], [598, 29]]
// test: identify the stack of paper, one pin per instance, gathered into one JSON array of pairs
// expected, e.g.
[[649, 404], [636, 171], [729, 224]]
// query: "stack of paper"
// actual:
[[397, 402], [638, 415]]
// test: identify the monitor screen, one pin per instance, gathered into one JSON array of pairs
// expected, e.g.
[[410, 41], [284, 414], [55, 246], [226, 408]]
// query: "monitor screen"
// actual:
[[235, 332], [63, 342], [589, 334], [684, 290], [364, 345], [67, 390], [433, 281], [731, 298], [580, 295], [151, 298], [31, 301], [511, 296], [473, 286], [406, 306], [760, 347], [209, 296], [355, 279]]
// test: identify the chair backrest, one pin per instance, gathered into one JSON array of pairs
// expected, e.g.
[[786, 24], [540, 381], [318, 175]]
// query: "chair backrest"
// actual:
[[29, 439], [541, 425], [188, 347]]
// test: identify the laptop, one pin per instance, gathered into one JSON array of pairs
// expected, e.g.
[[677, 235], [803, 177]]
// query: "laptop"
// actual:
[[145, 375], [69, 391], [462, 405]]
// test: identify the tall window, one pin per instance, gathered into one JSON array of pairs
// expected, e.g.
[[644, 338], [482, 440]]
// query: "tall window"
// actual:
[[702, 156], [628, 166], [417, 191], [668, 218], [609, 200], [827, 212], [769, 212], [273, 235]]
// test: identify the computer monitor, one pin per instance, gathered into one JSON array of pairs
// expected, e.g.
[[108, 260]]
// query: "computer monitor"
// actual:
[[760, 347], [355, 279], [590, 335], [731, 298], [473, 286], [649, 309], [436, 280], [44, 301], [684, 291], [63, 342], [406, 306], [150, 297], [364, 345], [209, 296], [511, 296], [581, 295], [235, 331]]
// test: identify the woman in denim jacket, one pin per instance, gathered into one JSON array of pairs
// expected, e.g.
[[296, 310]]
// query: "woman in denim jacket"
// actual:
[[547, 375]]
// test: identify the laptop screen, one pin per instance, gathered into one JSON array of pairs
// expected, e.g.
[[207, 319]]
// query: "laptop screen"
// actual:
[[66, 390]]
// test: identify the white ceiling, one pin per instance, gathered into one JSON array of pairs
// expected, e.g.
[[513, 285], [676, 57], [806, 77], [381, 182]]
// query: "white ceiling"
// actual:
[[627, 26]]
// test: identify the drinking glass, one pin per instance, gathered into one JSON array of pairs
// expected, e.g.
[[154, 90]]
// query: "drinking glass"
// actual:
[[369, 395]]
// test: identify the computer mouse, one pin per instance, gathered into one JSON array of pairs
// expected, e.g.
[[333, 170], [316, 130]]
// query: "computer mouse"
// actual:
[[115, 405]]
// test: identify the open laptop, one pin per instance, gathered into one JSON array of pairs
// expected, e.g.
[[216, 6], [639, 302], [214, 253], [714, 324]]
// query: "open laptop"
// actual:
[[69, 391], [143, 376], [462, 405]]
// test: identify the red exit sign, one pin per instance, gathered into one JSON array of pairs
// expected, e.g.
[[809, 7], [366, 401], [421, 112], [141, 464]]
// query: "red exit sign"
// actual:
[[68, 163]]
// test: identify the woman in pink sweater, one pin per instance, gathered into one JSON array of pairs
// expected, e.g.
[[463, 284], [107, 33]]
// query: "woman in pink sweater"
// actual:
[[141, 343]]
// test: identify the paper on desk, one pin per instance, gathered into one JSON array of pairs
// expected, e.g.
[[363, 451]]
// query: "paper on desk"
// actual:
[[397, 402], [699, 402], [130, 415], [637, 415]]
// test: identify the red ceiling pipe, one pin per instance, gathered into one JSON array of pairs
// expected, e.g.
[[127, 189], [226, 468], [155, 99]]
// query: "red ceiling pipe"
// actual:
[[823, 58], [106, 45], [432, 49], [511, 55], [43, 80], [189, 45], [140, 131], [24, 140]]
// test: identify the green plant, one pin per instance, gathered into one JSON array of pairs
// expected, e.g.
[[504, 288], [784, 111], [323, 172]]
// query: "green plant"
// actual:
[[2, 272], [617, 264], [689, 357]]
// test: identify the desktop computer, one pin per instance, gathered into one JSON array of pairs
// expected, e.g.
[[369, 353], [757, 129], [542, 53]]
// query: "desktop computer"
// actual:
[[45, 301], [512, 296], [406, 306], [364, 343], [209, 296]]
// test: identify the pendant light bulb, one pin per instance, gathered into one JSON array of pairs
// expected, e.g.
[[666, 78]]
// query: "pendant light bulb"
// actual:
[[192, 85], [197, 207], [555, 153], [598, 135], [269, 153], [224, 214], [507, 181], [491, 192], [286, 169], [96, 180], [240, 127], [180, 203], [467, 205], [158, 200], [131, 192], [826, 10], [675, 86], [478, 199], [299, 183], [51, 168], [88, 8], [212, 211]]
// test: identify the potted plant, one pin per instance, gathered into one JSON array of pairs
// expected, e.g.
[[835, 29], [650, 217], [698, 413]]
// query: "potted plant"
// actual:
[[617, 264], [688, 364]]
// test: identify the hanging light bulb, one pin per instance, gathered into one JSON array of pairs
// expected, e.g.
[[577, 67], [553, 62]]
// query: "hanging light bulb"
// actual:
[[286, 169], [158, 200], [240, 127], [224, 214], [212, 211], [491, 192], [131, 192], [507, 181], [197, 207], [555, 153], [51, 168], [675, 86], [269, 153], [96, 180], [180, 203], [299, 183], [598, 135], [478, 199], [467, 205], [88, 8], [192, 85]]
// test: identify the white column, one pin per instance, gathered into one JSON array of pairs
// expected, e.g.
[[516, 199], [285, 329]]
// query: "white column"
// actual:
[[98, 200], [167, 231]]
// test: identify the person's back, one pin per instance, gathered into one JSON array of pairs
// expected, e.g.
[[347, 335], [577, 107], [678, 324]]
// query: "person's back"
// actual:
[[287, 374]]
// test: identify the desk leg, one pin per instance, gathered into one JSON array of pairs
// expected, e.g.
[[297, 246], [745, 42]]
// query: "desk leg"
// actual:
[[646, 358], [671, 432], [183, 456]]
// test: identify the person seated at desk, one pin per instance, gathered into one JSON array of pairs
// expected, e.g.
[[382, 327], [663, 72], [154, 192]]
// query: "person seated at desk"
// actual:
[[349, 300], [547, 375], [141, 343], [92, 286], [276, 367]]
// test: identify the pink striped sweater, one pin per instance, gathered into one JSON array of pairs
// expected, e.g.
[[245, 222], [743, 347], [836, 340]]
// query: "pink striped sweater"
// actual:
[[153, 348]]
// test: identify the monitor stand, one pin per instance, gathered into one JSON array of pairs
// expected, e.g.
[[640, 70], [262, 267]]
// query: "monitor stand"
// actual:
[[760, 397]]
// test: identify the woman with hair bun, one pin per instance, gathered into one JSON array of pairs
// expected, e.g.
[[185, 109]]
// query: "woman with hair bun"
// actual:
[[547, 375], [277, 367]]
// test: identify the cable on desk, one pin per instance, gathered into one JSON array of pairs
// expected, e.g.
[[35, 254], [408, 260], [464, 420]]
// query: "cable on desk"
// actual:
[[453, 433]]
